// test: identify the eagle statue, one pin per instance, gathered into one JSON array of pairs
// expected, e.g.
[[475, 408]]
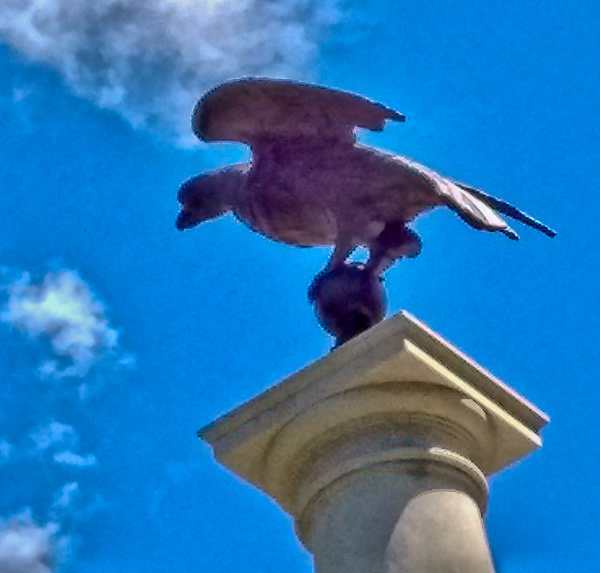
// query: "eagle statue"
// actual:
[[311, 183]]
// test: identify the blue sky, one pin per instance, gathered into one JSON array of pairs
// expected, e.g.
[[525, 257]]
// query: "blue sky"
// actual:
[[120, 337]]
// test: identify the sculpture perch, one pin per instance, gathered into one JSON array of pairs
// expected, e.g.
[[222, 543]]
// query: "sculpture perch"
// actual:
[[311, 183], [348, 300]]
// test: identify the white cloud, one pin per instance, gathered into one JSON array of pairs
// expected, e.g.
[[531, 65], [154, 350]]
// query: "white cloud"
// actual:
[[64, 310], [70, 458], [26, 547], [54, 433], [57, 434], [20, 94], [151, 60], [5, 450], [64, 497]]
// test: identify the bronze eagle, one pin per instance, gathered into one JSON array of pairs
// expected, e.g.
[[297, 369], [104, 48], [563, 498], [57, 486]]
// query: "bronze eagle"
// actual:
[[311, 183]]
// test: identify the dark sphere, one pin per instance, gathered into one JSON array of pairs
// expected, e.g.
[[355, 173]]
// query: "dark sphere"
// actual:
[[348, 300]]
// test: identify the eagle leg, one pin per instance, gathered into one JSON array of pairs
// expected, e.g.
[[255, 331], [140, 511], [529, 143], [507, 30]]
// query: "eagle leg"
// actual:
[[394, 242], [342, 250]]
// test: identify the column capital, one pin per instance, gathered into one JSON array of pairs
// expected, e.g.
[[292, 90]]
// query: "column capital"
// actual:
[[397, 388]]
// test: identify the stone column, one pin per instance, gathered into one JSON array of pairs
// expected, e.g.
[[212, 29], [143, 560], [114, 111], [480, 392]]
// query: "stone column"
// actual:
[[380, 451]]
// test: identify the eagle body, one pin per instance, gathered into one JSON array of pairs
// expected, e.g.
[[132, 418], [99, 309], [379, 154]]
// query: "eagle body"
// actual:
[[320, 195]]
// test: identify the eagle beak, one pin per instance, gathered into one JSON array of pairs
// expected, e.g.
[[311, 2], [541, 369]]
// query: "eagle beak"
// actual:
[[184, 220]]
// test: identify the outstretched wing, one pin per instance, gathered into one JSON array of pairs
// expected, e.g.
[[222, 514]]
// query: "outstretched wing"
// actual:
[[475, 207], [253, 110]]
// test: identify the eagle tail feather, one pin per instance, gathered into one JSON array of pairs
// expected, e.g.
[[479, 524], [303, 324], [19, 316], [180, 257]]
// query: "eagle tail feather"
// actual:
[[507, 209]]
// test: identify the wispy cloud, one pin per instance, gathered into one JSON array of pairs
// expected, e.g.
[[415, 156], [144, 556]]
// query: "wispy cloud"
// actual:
[[64, 497], [70, 458], [55, 433], [28, 548], [5, 450], [150, 60], [63, 310]]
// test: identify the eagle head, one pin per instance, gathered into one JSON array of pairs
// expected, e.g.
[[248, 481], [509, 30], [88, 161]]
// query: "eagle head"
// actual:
[[202, 198]]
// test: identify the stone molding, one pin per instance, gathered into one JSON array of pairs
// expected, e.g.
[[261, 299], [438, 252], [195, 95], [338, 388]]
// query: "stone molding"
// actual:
[[387, 421]]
